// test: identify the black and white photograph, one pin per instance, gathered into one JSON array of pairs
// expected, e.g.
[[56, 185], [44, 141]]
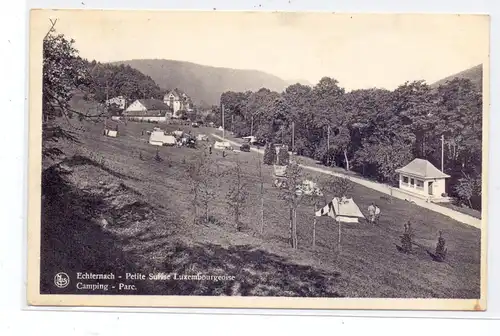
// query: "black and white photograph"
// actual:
[[258, 159]]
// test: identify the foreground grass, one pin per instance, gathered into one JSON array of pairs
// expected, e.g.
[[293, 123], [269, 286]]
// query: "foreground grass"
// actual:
[[151, 228]]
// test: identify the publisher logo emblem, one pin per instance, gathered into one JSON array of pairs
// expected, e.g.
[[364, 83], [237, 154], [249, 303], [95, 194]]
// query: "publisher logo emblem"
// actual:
[[61, 280]]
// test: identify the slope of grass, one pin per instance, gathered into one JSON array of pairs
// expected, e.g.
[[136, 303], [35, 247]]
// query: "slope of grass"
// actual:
[[167, 240]]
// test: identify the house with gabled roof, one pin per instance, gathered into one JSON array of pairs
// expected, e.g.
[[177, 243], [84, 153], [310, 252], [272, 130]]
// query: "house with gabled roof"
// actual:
[[119, 101], [178, 101], [422, 179], [148, 110]]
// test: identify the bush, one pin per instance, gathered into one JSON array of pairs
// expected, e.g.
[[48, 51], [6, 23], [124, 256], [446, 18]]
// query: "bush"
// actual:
[[283, 157], [269, 154]]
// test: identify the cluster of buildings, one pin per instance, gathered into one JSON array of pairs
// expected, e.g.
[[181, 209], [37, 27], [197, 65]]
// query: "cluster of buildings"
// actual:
[[174, 104]]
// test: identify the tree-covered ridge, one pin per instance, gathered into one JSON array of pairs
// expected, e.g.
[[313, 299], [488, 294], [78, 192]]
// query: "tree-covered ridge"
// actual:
[[372, 131], [121, 80]]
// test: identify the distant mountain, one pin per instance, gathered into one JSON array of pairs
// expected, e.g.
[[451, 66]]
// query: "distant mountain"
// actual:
[[474, 74], [204, 84]]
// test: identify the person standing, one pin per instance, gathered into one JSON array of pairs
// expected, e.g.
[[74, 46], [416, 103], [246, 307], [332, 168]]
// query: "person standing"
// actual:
[[371, 213], [377, 214]]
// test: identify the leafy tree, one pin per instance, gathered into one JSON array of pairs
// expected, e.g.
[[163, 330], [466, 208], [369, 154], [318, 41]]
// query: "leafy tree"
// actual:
[[202, 178], [237, 193], [466, 188], [269, 154], [64, 72], [338, 186], [290, 194], [261, 193], [283, 157], [341, 188]]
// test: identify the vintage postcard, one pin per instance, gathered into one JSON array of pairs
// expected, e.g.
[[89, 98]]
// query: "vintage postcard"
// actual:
[[258, 159]]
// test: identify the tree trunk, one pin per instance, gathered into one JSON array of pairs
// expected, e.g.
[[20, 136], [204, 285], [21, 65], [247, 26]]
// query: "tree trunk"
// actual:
[[314, 228], [295, 229], [261, 198], [261, 214], [346, 160], [291, 227], [237, 220], [206, 212], [340, 236], [195, 206], [340, 233]]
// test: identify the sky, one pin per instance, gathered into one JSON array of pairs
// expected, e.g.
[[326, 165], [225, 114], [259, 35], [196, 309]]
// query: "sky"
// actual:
[[359, 50]]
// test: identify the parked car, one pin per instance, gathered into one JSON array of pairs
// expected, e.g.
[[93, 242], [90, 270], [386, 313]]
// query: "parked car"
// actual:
[[245, 147], [195, 124], [191, 143]]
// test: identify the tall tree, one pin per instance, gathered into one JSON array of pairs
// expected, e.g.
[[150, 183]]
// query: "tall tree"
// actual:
[[237, 193], [64, 72]]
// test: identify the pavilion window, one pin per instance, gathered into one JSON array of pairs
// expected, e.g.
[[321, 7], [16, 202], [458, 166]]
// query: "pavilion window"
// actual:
[[420, 184]]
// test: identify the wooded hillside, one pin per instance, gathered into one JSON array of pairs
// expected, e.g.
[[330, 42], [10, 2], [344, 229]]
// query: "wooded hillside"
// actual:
[[372, 131], [204, 84]]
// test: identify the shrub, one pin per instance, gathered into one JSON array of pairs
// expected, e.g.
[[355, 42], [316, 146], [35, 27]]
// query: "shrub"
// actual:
[[283, 157], [269, 154]]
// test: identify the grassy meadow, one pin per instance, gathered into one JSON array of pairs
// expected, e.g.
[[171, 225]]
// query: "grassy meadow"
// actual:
[[113, 208]]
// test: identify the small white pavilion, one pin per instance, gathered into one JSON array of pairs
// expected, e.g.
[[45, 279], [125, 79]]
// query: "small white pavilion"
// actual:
[[421, 179]]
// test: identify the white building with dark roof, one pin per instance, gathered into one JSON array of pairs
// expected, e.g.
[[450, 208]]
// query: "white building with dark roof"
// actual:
[[148, 110], [420, 178]]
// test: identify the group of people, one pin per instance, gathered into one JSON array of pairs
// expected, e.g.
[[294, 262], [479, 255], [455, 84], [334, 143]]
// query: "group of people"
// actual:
[[373, 213]]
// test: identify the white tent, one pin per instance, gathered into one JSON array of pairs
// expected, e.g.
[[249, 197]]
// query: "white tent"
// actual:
[[111, 133], [158, 138], [279, 171], [222, 145], [342, 210], [201, 137]]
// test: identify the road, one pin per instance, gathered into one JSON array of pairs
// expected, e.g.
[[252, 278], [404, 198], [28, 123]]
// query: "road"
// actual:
[[385, 189]]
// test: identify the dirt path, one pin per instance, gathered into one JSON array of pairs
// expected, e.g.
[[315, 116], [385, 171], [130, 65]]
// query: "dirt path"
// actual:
[[385, 189]]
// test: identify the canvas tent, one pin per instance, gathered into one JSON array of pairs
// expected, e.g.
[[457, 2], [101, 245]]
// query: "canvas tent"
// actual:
[[158, 138], [342, 210], [111, 133], [279, 171], [222, 145], [201, 137]]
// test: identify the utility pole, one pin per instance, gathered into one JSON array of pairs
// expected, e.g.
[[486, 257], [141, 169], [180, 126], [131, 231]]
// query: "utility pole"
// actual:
[[328, 137], [232, 123], [107, 92], [442, 153], [223, 130], [251, 128], [293, 136]]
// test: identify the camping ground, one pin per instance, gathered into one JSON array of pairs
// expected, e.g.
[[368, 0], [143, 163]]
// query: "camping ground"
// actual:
[[132, 211]]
